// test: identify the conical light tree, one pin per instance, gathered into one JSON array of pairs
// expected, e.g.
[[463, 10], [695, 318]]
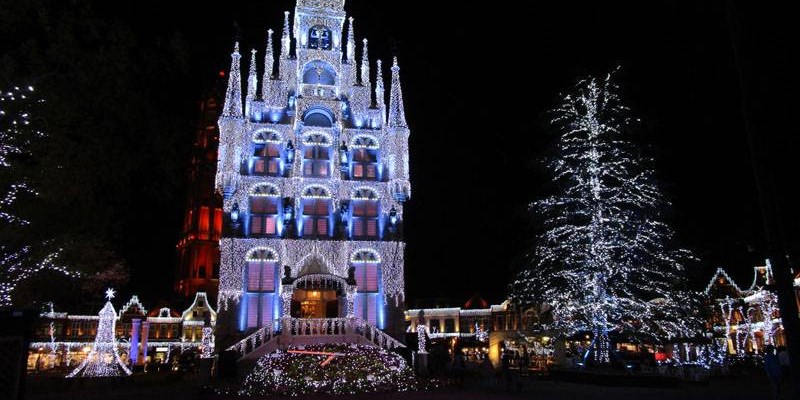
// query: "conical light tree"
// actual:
[[603, 259], [103, 360]]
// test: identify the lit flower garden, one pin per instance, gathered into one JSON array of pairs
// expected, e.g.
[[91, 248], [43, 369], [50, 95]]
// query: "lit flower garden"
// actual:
[[356, 369]]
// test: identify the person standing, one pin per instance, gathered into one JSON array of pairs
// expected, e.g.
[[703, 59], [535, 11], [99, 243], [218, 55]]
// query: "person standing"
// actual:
[[459, 365], [505, 368], [783, 361], [773, 369]]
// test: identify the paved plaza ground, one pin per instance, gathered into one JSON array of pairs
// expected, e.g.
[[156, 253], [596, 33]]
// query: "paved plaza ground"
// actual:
[[187, 387]]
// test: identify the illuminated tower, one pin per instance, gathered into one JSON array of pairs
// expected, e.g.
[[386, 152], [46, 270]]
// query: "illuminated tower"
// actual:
[[198, 249], [314, 171]]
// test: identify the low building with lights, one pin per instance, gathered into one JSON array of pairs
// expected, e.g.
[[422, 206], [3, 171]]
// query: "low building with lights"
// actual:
[[62, 340], [745, 318], [489, 329], [314, 172]]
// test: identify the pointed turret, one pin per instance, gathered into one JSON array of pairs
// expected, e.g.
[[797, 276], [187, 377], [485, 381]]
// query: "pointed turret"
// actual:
[[380, 92], [365, 64], [351, 42], [252, 78], [269, 64], [397, 113], [233, 97], [286, 39]]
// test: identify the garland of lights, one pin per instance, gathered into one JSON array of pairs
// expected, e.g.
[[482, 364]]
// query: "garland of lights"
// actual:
[[207, 346], [603, 259], [103, 360]]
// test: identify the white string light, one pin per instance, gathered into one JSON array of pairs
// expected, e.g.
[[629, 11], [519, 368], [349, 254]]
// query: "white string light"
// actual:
[[103, 360], [603, 260]]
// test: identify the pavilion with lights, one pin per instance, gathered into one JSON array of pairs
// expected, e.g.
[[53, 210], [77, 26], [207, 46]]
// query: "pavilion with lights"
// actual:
[[314, 171]]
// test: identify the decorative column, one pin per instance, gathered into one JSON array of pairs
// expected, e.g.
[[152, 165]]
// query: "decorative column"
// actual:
[[145, 336], [133, 352]]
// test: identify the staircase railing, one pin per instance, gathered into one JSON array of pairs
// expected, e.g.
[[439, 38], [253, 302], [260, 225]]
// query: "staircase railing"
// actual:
[[254, 340], [315, 327]]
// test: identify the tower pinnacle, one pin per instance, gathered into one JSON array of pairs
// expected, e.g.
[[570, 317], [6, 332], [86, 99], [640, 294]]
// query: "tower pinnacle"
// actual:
[[252, 78], [397, 113], [233, 97], [380, 92], [269, 64], [286, 39], [365, 64], [351, 42]]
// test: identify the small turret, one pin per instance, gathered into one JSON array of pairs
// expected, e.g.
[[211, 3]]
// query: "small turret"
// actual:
[[233, 97]]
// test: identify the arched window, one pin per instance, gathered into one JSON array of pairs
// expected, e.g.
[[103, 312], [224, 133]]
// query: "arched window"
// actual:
[[319, 38], [266, 160], [267, 154], [318, 117], [317, 156], [365, 159], [364, 211], [316, 212], [319, 73], [264, 209], [367, 304], [262, 269]]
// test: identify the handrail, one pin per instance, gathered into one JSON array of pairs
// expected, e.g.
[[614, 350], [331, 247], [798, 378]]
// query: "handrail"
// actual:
[[315, 327]]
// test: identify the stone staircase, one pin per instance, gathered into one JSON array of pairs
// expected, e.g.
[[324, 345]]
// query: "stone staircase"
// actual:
[[287, 332]]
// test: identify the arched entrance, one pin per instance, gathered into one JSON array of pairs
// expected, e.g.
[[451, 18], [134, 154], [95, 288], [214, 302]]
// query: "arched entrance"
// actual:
[[319, 296]]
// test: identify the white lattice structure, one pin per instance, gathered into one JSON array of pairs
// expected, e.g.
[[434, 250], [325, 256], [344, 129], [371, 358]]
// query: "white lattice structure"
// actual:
[[314, 170]]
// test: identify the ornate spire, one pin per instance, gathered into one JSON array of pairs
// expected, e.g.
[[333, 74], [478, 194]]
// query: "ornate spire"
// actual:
[[365, 64], [380, 91], [397, 113], [252, 79], [286, 39], [351, 42], [269, 64], [233, 97]]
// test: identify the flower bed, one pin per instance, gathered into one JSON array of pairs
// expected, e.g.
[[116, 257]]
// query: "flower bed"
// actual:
[[358, 369]]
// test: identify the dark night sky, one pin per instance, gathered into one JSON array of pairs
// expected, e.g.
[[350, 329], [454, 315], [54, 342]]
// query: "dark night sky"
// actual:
[[478, 78]]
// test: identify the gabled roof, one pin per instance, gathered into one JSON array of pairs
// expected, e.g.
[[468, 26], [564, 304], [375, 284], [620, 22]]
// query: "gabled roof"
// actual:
[[200, 301], [131, 307], [475, 302], [722, 278]]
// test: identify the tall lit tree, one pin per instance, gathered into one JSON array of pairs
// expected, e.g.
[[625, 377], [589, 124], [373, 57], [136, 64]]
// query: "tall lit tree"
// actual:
[[19, 131], [603, 259]]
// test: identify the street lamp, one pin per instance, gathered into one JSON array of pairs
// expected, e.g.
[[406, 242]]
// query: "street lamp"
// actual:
[[235, 216]]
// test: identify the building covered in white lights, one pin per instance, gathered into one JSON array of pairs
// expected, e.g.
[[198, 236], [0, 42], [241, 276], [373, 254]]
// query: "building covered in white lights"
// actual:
[[63, 340], [746, 318], [314, 170]]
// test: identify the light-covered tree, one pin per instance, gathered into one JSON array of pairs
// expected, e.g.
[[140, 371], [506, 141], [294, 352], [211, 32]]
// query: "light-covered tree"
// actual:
[[604, 258], [19, 131]]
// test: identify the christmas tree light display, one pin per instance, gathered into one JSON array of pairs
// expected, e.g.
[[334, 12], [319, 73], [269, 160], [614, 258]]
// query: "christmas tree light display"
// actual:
[[103, 360], [18, 133], [603, 258]]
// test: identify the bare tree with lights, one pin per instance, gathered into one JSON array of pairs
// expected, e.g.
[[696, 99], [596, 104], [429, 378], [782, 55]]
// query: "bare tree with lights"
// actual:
[[18, 133], [603, 258]]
